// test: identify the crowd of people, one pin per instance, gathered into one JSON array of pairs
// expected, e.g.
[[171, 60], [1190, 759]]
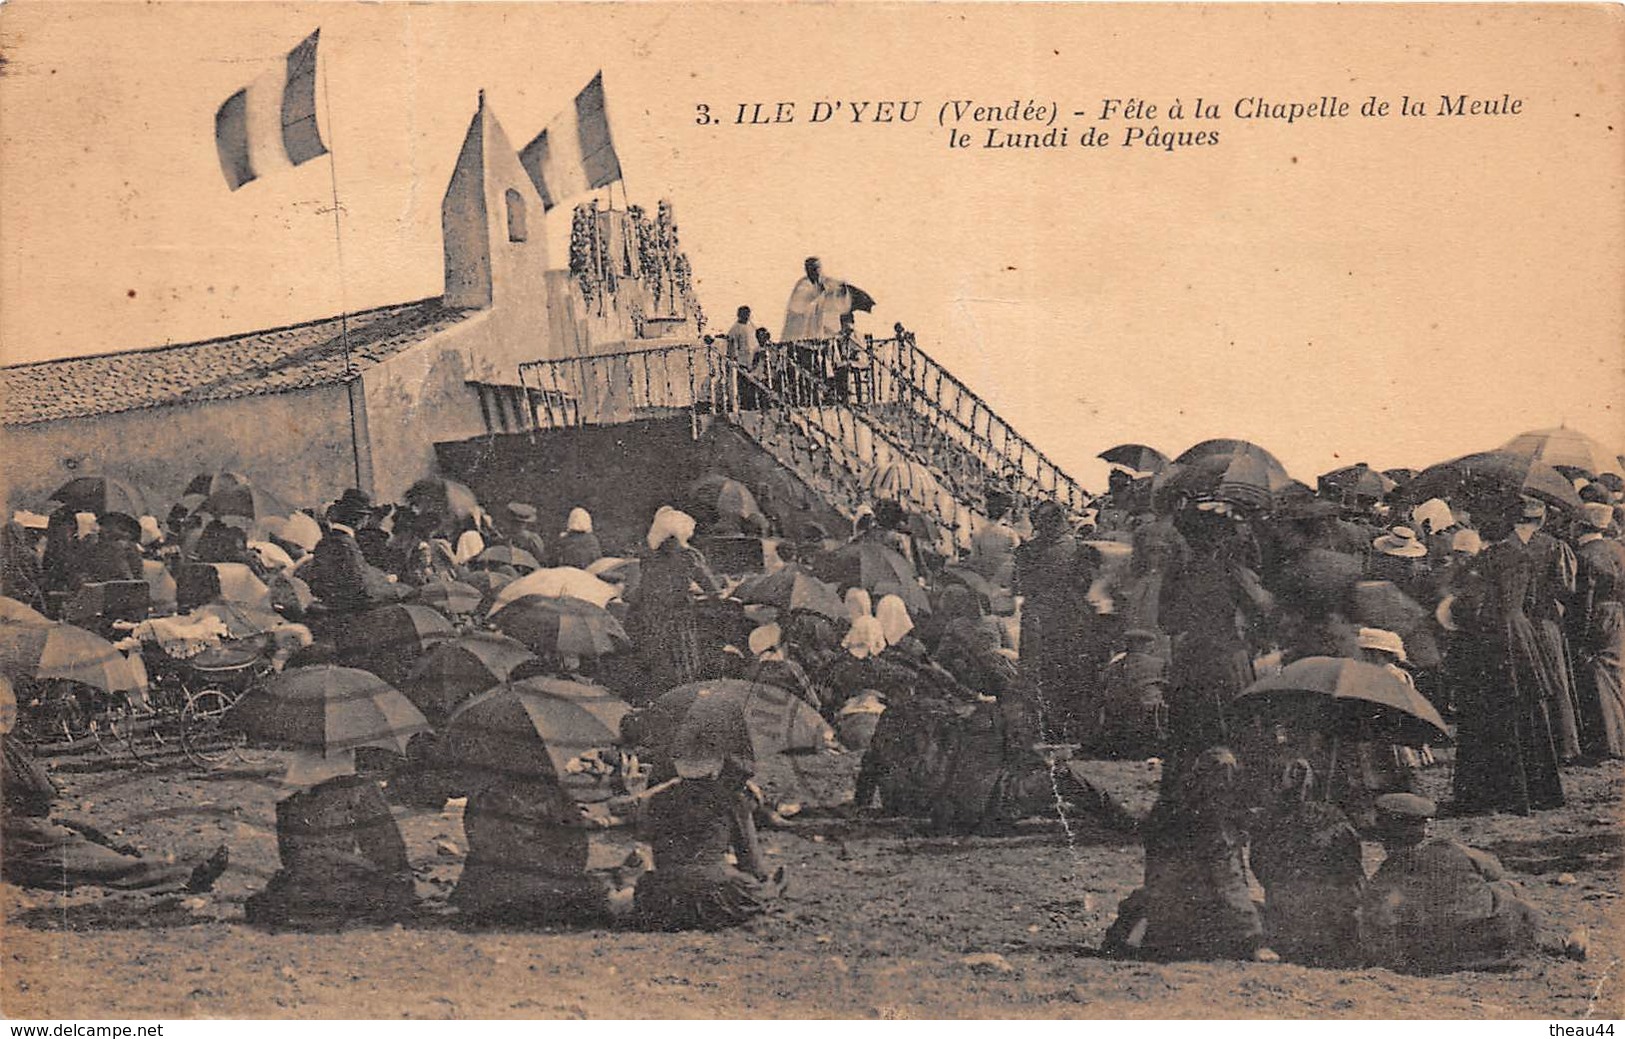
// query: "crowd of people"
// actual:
[[974, 683]]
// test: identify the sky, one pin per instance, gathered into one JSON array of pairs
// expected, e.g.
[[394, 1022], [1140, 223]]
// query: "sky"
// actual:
[[1395, 290]]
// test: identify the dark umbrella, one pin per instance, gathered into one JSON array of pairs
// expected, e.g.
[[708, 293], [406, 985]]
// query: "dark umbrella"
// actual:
[[507, 555], [326, 709], [246, 501], [1400, 475], [872, 566], [1228, 470], [441, 498], [792, 588], [1356, 691], [102, 494], [455, 672], [706, 724], [860, 300], [539, 727], [569, 627], [1493, 476], [1138, 457], [1356, 481], [387, 640], [456, 598]]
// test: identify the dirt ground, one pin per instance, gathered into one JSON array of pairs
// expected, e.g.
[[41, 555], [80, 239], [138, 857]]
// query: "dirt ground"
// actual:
[[879, 922]]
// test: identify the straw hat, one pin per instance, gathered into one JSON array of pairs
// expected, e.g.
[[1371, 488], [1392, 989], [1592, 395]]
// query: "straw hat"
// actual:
[[1400, 542]]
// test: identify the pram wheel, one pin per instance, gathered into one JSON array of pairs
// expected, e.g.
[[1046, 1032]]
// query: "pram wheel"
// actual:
[[204, 741]]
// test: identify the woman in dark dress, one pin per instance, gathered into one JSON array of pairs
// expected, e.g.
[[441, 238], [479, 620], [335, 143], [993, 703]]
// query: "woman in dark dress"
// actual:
[[660, 620], [693, 827], [1306, 854], [1195, 903], [342, 855], [1506, 754], [527, 856]]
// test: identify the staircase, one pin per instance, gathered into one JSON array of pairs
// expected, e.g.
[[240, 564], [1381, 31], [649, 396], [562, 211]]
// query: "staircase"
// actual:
[[893, 423]]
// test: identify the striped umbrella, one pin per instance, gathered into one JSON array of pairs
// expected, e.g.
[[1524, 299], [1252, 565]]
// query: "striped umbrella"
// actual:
[[327, 709], [569, 627], [1565, 448], [66, 653], [454, 672], [541, 726], [707, 723], [387, 640], [792, 588], [103, 494]]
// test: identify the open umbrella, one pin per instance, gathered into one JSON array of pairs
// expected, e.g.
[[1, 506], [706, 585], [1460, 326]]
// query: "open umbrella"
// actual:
[[1493, 477], [327, 709], [905, 480], [559, 582], [1562, 447], [66, 653], [792, 588], [14, 611], [711, 722], [248, 502], [1356, 481], [1228, 470], [1138, 457], [540, 726], [387, 640], [104, 494], [456, 598], [455, 672], [1400, 475], [569, 627], [1355, 691], [507, 555], [242, 622], [442, 498], [862, 564]]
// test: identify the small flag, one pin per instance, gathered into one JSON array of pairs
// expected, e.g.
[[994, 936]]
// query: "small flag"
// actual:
[[270, 124], [575, 153]]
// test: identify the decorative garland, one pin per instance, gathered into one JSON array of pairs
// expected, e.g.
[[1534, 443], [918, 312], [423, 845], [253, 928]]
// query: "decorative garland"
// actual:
[[658, 263]]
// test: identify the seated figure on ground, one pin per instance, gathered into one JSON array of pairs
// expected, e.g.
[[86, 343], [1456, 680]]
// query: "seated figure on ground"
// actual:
[[1438, 905], [1306, 854]]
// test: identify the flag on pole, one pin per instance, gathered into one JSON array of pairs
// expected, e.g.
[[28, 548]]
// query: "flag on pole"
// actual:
[[575, 153], [270, 124]]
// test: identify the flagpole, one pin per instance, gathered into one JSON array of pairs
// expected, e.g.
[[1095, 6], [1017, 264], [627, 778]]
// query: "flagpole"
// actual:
[[344, 295]]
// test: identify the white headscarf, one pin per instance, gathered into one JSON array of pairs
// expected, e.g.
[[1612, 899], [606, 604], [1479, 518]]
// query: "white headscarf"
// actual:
[[670, 523], [1434, 514], [866, 639], [580, 521], [892, 613], [765, 639], [149, 529], [85, 524], [857, 604]]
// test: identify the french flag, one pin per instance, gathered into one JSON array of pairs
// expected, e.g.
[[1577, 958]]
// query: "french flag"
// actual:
[[574, 154], [270, 124]]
